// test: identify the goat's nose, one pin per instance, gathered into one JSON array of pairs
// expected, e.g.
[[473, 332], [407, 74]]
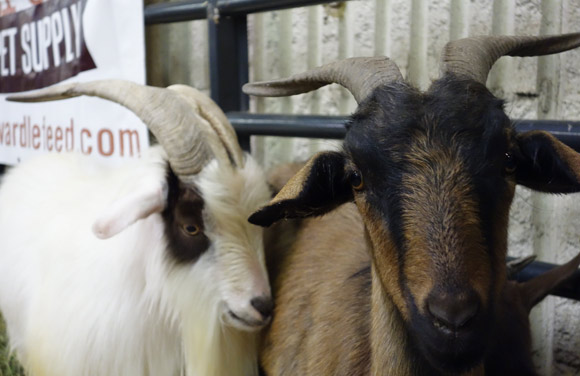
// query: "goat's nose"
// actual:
[[453, 310], [264, 305]]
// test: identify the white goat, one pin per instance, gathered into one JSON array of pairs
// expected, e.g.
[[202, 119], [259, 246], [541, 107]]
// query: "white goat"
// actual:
[[177, 282]]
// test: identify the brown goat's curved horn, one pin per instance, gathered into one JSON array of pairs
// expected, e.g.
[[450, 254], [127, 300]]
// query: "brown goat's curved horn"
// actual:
[[474, 57], [360, 75], [182, 133], [216, 118]]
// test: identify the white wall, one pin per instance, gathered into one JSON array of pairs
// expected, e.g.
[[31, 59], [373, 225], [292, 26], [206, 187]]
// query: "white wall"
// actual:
[[412, 33]]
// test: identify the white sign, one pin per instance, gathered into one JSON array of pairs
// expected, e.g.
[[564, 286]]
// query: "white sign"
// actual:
[[60, 41]]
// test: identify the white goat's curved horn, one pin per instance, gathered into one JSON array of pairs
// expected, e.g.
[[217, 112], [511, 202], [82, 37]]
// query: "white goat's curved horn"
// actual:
[[360, 75], [220, 124], [175, 122], [473, 57]]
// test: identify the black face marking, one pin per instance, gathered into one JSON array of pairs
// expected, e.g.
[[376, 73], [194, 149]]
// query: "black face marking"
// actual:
[[456, 119], [453, 112], [184, 227], [376, 141]]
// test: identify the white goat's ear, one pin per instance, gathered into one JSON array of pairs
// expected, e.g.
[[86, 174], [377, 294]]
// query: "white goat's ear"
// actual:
[[150, 199]]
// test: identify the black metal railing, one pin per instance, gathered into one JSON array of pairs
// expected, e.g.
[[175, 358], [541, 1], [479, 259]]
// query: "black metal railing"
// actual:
[[228, 41], [198, 10]]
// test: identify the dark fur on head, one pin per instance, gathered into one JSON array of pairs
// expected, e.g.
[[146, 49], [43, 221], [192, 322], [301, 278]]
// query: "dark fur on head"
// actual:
[[184, 208]]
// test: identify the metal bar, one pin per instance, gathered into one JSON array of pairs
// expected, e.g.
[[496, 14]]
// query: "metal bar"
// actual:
[[175, 12], [255, 6], [197, 10], [566, 131], [288, 125], [228, 56], [571, 289], [333, 126]]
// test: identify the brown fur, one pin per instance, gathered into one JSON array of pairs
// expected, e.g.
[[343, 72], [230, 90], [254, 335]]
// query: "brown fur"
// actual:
[[293, 186], [411, 280], [332, 269], [325, 294], [280, 237], [441, 199]]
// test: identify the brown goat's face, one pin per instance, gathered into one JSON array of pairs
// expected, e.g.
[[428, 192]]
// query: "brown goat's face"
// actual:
[[435, 197]]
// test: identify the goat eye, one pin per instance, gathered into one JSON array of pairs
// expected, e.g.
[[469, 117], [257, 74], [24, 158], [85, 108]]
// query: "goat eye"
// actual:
[[510, 163], [191, 230], [356, 180]]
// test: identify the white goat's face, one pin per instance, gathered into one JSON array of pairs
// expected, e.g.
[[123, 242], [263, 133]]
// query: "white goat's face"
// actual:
[[207, 223]]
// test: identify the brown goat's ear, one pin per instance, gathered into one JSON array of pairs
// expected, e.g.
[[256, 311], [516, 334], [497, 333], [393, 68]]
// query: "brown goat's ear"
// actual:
[[536, 289], [547, 164], [317, 188]]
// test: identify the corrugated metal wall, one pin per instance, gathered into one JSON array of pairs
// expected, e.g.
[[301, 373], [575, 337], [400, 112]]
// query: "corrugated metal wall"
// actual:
[[412, 33]]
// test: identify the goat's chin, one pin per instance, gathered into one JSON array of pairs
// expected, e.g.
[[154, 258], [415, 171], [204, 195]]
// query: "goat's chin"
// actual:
[[450, 352], [243, 322]]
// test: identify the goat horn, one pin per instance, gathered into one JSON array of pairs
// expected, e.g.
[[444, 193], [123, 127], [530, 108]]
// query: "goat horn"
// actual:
[[474, 57], [360, 75], [182, 133], [216, 118]]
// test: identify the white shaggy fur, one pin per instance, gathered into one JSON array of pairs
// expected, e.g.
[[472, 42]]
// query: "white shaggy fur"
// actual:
[[78, 305]]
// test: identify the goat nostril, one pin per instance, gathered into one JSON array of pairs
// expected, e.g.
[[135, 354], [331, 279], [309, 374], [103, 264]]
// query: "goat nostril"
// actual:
[[452, 311], [264, 305]]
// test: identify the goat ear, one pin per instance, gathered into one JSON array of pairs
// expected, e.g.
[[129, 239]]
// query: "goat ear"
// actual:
[[536, 289], [547, 164], [129, 209], [317, 188]]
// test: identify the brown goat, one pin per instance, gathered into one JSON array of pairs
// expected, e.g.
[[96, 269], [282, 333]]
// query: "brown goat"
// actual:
[[337, 235], [411, 279]]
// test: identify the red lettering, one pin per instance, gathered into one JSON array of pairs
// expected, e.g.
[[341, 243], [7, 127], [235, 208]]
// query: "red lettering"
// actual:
[[131, 136], [69, 135], [101, 143], [35, 136], [23, 135], [49, 138], [14, 128], [2, 132], [57, 139], [89, 149]]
